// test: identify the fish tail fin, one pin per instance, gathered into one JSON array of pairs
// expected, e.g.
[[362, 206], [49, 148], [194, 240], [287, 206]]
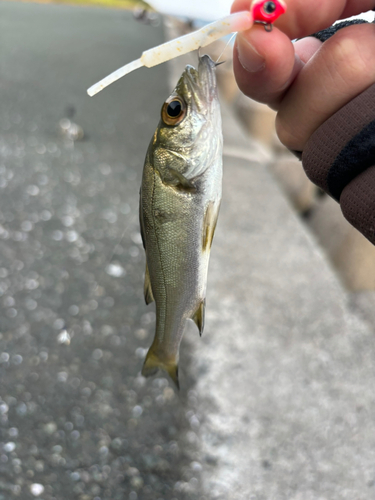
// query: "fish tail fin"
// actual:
[[153, 362]]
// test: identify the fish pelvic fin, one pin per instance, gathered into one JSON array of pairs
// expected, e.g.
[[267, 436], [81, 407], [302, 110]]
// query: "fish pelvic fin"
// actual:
[[149, 296], [198, 316], [209, 225], [153, 363]]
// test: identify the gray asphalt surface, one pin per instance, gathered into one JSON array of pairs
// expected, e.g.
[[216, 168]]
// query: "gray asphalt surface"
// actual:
[[77, 420]]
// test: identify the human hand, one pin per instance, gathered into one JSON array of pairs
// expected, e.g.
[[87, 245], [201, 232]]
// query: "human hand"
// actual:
[[319, 92], [272, 70]]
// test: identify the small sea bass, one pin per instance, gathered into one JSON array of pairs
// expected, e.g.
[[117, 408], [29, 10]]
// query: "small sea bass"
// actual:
[[179, 205]]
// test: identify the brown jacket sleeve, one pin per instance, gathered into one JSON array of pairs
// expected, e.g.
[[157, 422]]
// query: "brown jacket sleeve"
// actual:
[[340, 156]]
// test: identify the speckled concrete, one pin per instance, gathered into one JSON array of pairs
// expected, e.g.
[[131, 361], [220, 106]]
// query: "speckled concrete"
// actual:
[[77, 421]]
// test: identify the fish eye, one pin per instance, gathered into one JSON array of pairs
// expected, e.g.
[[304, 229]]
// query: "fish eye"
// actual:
[[173, 111], [269, 7]]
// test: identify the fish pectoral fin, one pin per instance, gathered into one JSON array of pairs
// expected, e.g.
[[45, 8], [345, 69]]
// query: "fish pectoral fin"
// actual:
[[149, 296], [209, 225], [179, 181], [169, 165], [198, 316], [153, 363]]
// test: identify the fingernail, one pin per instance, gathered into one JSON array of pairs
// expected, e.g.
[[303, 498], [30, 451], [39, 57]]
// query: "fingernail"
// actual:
[[250, 59]]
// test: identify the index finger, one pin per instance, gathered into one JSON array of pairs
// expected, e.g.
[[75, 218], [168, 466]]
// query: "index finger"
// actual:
[[304, 17]]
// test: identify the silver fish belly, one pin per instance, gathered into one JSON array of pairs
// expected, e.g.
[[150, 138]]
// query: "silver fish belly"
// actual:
[[179, 204]]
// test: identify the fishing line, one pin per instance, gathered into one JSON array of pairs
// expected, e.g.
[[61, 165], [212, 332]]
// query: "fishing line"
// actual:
[[225, 48], [119, 242]]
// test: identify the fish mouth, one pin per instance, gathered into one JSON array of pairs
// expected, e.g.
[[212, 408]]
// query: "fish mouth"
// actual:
[[201, 83], [207, 74]]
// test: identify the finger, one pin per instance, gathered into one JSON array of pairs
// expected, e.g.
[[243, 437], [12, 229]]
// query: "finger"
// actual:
[[265, 64], [338, 72], [307, 47], [353, 7], [304, 17]]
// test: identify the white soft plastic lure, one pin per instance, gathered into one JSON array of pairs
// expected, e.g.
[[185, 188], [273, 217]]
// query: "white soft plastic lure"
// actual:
[[261, 11]]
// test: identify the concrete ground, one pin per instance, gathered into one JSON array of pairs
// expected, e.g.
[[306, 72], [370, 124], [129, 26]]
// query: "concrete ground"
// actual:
[[286, 370], [277, 398], [75, 415]]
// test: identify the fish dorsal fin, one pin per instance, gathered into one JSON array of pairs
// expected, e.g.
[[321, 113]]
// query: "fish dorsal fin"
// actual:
[[149, 296], [198, 316], [147, 289], [141, 223], [209, 225]]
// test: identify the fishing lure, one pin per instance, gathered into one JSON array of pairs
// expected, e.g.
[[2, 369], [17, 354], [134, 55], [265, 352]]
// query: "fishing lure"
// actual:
[[266, 13], [263, 12]]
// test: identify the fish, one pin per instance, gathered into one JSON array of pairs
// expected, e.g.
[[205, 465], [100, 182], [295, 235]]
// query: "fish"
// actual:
[[180, 198]]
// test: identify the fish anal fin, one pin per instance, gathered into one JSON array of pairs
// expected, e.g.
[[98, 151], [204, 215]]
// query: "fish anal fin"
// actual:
[[153, 363], [149, 296], [198, 316], [209, 225]]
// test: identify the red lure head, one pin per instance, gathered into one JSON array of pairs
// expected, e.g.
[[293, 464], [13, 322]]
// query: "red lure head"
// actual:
[[267, 11]]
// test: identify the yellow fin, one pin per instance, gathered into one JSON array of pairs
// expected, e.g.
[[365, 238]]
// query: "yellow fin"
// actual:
[[153, 363], [209, 225], [149, 296], [198, 316]]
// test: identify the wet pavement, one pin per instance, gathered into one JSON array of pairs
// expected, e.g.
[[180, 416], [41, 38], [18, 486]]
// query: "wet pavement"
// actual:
[[77, 420]]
